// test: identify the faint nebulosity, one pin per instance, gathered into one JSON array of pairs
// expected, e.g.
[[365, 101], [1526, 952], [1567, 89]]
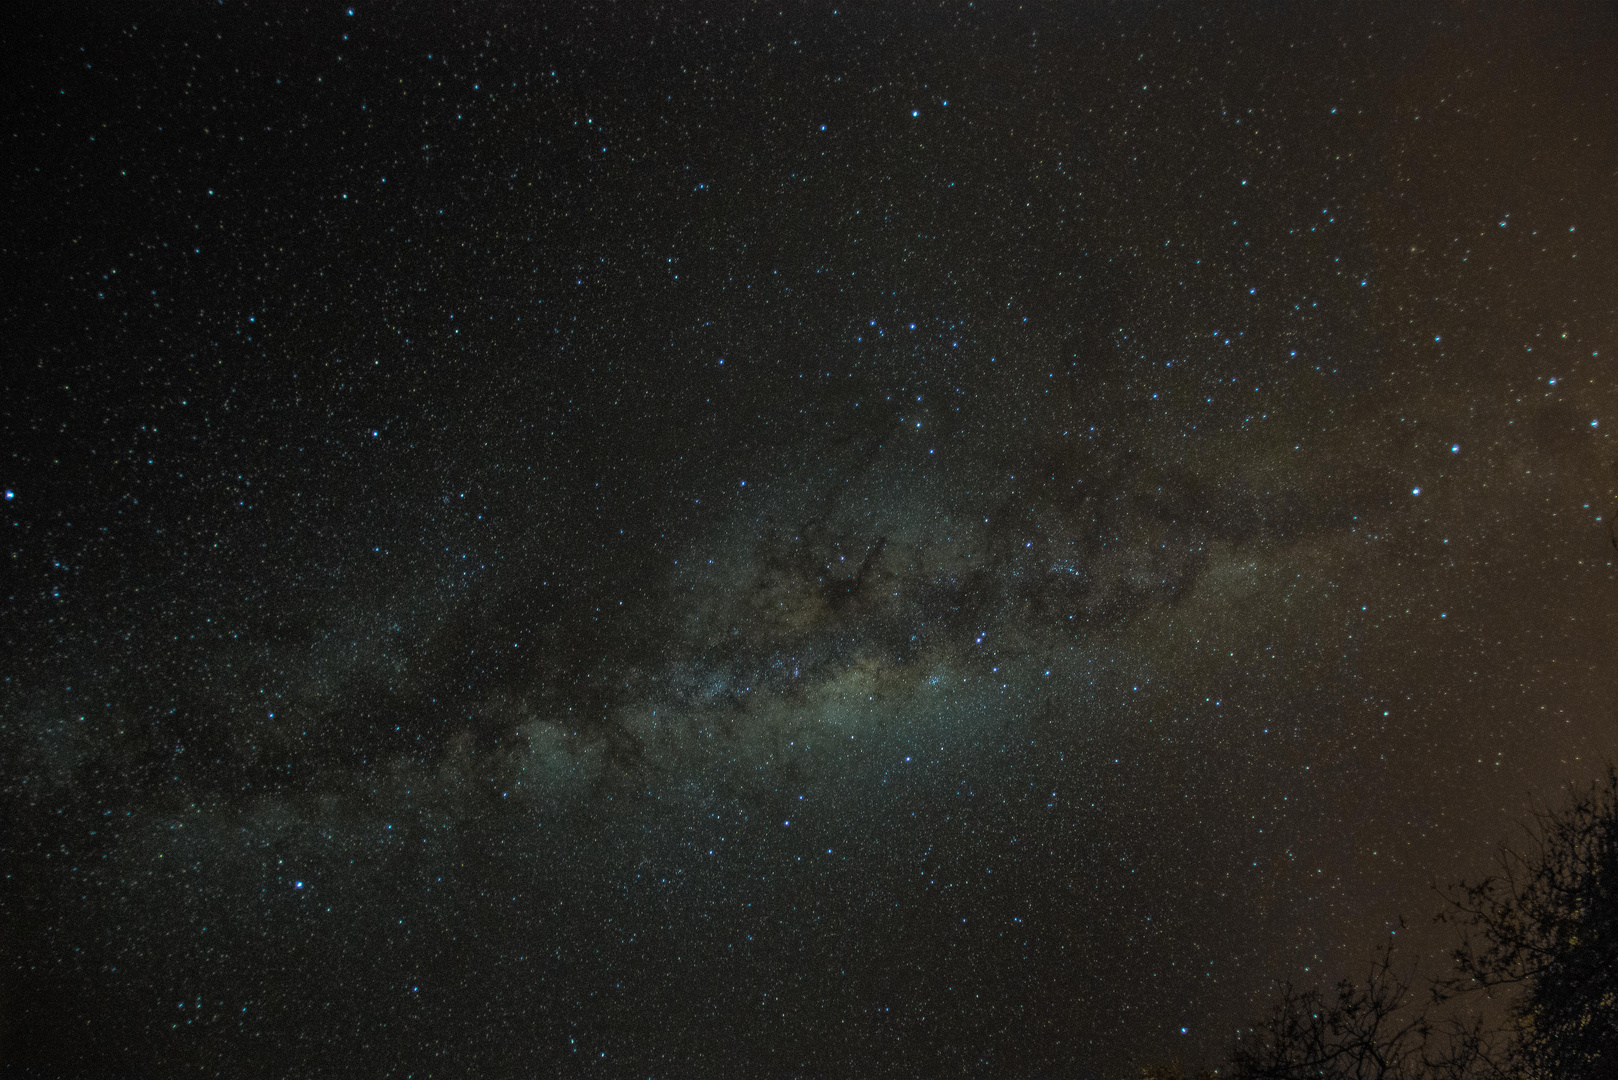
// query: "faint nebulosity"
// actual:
[[770, 540]]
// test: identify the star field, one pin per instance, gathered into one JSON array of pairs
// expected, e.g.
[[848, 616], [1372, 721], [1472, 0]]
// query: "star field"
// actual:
[[746, 540]]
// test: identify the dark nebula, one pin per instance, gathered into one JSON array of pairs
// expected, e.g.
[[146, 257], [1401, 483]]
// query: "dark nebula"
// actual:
[[904, 540]]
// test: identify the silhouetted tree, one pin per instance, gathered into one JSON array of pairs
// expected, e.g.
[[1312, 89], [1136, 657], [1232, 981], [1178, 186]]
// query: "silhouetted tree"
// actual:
[[1375, 1029], [1547, 923], [1544, 926]]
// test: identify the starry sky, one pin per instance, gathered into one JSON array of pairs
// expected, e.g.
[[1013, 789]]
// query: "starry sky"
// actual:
[[898, 539]]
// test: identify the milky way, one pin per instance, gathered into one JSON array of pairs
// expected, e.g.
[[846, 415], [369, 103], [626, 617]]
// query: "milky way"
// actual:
[[895, 542]]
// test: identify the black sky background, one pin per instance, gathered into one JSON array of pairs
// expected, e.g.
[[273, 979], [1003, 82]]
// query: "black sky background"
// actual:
[[777, 540]]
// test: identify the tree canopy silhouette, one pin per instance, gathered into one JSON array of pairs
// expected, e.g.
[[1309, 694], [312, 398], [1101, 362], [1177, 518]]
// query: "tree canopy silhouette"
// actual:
[[1541, 930], [1375, 1029], [1546, 923]]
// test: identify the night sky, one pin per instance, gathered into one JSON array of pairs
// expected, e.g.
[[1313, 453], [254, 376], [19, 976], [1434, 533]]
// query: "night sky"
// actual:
[[771, 540]]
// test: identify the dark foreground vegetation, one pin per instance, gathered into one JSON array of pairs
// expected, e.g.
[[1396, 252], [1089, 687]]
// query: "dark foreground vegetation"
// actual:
[[1539, 937]]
